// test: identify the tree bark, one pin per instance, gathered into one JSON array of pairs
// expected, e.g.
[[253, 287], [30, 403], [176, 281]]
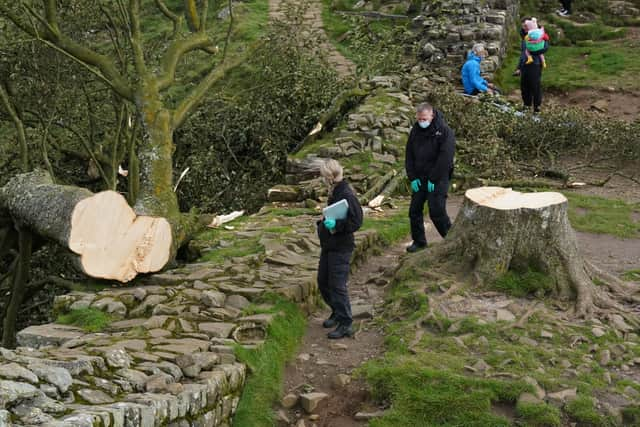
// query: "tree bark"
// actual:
[[498, 230], [112, 242]]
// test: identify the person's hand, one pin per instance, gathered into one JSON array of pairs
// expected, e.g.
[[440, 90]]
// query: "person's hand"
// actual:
[[329, 223], [430, 187], [415, 185], [490, 91], [491, 85]]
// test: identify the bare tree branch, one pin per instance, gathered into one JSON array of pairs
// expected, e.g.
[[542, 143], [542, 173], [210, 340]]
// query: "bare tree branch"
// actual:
[[175, 18], [191, 13], [17, 121], [54, 38], [175, 52], [136, 38]]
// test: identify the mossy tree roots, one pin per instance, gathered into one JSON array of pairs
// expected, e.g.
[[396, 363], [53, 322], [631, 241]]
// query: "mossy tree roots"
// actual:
[[498, 230]]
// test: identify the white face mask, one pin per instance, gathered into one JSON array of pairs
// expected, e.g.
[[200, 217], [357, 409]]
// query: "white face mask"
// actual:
[[424, 124]]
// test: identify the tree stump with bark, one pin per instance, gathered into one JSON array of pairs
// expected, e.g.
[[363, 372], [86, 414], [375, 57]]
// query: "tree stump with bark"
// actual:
[[112, 242], [498, 229]]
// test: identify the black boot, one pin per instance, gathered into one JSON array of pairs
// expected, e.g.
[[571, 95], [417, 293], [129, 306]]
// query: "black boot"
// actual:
[[331, 322], [415, 247], [340, 332]]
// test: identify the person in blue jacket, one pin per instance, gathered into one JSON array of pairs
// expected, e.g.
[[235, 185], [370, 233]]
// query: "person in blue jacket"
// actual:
[[471, 79]]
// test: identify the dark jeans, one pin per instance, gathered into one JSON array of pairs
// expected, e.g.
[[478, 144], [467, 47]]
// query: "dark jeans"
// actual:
[[437, 202], [566, 5], [530, 85], [333, 273]]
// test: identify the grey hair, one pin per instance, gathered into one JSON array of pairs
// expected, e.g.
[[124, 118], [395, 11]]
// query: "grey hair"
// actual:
[[425, 106], [331, 170], [478, 48]]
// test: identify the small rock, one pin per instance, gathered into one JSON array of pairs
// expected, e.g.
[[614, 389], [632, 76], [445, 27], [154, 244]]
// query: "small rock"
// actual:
[[563, 396], [618, 322], [483, 341], [157, 383], [303, 357], [528, 341], [546, 334], [529, 398], [237, 301], [607, 377], [213, 298], [538, 391], [59, 377], [310, 401], [605, 358], [341, 380], [565, 363], [95, 397], [289, 401], [631, 392], [13, 371], [314, 417], [365, 416], [301, 423], [481, 366], [117, 358], [600, 105], [598, 332], [504, 315], [338, 346]]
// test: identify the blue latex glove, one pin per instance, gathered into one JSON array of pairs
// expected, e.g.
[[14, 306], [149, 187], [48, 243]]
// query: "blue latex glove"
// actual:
[[330, 223], [430, 187], [415, 185]]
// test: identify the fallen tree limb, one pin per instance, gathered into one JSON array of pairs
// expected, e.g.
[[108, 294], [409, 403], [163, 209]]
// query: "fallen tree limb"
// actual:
[[110, 239]]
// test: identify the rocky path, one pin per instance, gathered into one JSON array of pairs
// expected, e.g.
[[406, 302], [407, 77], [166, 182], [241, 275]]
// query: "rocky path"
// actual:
[[313, 23], [320, 388]]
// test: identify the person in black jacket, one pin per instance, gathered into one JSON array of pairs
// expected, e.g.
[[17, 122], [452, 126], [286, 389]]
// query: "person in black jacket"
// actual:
[[337, 245], [429, 165]]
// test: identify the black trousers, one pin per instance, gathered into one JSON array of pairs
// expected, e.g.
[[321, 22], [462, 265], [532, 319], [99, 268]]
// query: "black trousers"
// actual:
[[530, 85], [437, 202], [566, 5], [333, 274]]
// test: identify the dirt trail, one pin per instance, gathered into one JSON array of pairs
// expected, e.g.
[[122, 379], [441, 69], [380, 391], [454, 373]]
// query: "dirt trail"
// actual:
[[320, 361]]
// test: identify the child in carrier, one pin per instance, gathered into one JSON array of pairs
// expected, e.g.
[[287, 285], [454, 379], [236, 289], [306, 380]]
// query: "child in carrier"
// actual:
[[534, 41]]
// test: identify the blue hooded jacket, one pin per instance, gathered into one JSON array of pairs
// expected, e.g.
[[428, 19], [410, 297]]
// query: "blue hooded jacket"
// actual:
[[471, 79]]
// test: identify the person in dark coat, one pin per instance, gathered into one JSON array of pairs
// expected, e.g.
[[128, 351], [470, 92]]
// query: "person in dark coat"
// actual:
[[429, 166], [336, 246], [531, 77]]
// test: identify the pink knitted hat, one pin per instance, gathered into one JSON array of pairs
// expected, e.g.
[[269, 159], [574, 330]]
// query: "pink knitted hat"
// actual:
[[531, 24]]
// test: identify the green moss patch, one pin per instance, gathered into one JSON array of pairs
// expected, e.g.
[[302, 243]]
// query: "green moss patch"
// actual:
[[266, 364], [89, 319]]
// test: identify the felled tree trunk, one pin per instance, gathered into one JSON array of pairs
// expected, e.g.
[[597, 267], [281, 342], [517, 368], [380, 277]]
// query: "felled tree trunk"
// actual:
[[498, 230], [110, 239]]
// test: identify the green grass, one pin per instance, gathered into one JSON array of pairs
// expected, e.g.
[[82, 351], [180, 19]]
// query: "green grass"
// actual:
[[239, 248], [631, 275], [583, 411], [392, 228], [424, 396], [588, 56], [521, 284], [600, 215], [540, 415], [264, 383], [89, 319]]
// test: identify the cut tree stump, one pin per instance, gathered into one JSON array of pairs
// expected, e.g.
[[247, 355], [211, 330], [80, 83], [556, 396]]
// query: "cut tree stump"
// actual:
[[111, 240], [498, 229]]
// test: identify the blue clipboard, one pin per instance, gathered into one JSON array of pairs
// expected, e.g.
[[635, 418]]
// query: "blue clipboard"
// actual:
[[338, 210]]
